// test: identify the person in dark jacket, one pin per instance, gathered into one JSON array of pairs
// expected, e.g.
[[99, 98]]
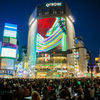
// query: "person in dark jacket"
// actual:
[[8, 95], [45, 93]]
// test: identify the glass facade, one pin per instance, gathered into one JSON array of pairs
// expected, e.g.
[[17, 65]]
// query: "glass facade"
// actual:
[[32, 43]]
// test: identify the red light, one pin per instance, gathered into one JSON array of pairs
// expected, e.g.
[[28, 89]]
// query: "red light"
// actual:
[[53, 52]]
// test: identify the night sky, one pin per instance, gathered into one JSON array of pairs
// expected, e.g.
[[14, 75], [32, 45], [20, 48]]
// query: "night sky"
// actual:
[[85, 12]]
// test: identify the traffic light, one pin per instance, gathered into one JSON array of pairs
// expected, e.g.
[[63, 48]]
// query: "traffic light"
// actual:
[[85, 74], [79, 82]]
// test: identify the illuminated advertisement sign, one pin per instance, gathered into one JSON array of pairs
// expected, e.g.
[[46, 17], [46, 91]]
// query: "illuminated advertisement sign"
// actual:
[[47, 57], [6, 72], [10, 30], [76, 41], [8, 52], [0, 46], [9, 45], [53, 4], [76, 55], [51, 33]]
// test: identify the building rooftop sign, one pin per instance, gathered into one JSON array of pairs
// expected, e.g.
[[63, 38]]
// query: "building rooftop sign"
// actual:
[[53, 4]]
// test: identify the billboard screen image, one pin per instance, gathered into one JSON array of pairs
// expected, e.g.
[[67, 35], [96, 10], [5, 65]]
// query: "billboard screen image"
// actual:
[[10, 30], [51, 33], [8, 52]]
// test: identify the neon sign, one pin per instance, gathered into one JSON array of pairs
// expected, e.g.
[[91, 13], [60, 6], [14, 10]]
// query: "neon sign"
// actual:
[[53, 4]]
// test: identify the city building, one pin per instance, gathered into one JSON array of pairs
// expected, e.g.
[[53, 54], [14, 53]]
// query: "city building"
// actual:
[[97, 64], [80, 63], [97, 60], [9, 48], [51, 34]]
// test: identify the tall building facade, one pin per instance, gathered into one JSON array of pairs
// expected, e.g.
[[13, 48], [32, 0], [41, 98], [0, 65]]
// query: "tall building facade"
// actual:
[[9, 48], [80, 63], [51, 34]]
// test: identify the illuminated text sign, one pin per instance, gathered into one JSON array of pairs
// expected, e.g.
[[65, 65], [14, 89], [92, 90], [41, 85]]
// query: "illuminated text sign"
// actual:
[[53, 4]]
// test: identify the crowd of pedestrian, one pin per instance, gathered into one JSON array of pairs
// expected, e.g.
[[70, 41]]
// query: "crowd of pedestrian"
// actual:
[[50, 89]]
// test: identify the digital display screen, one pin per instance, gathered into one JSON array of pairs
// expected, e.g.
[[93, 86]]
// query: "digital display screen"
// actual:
[[10, 30], [8, 52], [9, 45], [51, 33]]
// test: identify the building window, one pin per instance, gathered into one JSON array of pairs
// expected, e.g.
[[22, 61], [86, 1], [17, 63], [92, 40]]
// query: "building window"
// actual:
[[50, 12], [61, 12], [46, 13], [58, 11], [40, 14], [55, 12]]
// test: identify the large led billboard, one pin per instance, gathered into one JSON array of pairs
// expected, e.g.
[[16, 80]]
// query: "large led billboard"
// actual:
[[51, 33], [10, 30], [8, 52]]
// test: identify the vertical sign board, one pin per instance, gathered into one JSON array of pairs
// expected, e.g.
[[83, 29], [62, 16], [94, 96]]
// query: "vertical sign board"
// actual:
[[76, 55]]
